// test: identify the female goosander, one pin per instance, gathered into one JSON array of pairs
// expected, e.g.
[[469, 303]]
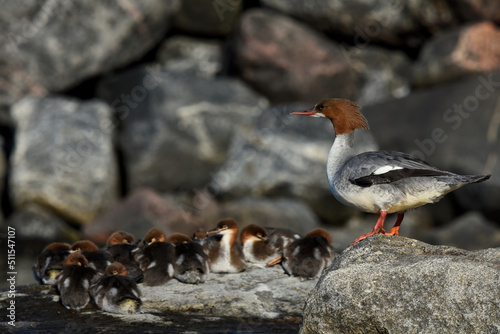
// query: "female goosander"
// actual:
[[226, 256], [49, 263], [156, 258], [379, 182], [308, 256], [115, 292], [262, 245], [98, 259], [120, 245], [191, 261], [74, 281]]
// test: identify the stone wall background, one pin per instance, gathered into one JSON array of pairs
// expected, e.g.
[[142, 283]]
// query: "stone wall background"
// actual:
[[134, 114]]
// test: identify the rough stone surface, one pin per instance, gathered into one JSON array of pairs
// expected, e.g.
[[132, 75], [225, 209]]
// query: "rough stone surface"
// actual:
[[144, 209], [42, 312], [177, 127], [445, 126], [35, 222], [456, 53], [202, 57], [398, 285], [402, 23], [470, 231], [288, 61], [285, 155], [265, 293], [63, 158], [43, 41], [208, 17], [384, 75], [271, 212]]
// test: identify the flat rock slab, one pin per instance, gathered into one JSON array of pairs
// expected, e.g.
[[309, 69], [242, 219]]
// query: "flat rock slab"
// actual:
[[257, 300], [266, 293], [399, 285]]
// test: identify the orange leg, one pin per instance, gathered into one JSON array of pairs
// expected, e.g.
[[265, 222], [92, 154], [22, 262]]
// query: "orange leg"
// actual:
[[378, 229], [395, 228]]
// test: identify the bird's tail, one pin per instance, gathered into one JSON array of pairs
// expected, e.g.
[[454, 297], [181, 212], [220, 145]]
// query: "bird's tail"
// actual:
[[475, 178]]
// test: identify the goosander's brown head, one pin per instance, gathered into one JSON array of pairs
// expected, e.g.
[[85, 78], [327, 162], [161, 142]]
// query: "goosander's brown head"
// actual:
[[178, 238], [154, 235], [57, 246], [116, 268], [319, 232], [76, 259], [345, 115], [226, 226], [84, 245], [120, 237], [253, 232]]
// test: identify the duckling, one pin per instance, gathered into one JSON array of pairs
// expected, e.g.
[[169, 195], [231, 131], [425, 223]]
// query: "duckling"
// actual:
[[191, 264], [156, 258], [49, 263], [115, 292], [74, 281], [226, 255]]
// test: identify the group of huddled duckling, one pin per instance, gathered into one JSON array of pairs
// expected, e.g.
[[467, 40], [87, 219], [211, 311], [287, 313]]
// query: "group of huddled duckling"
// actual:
[[108, 277]]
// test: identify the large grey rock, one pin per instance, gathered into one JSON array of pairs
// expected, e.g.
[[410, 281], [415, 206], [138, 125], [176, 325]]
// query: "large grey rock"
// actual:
[[288, 61], [402, 23], [202, 57], [36, 223], [52, 45], [383, 74], [271, 212], [285, 155], [176, 127], [398, 285], [208, 17], [457, 53], [63, 157], [453, 127], [264, 293]]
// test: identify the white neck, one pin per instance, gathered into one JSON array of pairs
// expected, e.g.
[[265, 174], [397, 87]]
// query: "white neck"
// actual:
[[341, 151]]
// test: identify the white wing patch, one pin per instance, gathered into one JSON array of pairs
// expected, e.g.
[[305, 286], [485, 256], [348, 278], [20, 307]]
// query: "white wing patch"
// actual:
[[385, 169]]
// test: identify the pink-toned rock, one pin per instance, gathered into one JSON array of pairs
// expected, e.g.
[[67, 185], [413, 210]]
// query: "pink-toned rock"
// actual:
[[144, 209], [288, 61], [477, 10], [467, 50]]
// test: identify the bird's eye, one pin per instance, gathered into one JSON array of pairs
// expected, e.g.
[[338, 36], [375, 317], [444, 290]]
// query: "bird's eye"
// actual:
[[259, 235], [321, 106], [224, 227]]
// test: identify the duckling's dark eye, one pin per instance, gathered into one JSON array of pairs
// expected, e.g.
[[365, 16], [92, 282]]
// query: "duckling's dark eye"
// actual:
[[224, 227], [321, 106]]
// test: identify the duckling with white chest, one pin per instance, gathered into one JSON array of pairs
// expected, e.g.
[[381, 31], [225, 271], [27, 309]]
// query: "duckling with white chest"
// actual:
[[226, 255], [262, 245]]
